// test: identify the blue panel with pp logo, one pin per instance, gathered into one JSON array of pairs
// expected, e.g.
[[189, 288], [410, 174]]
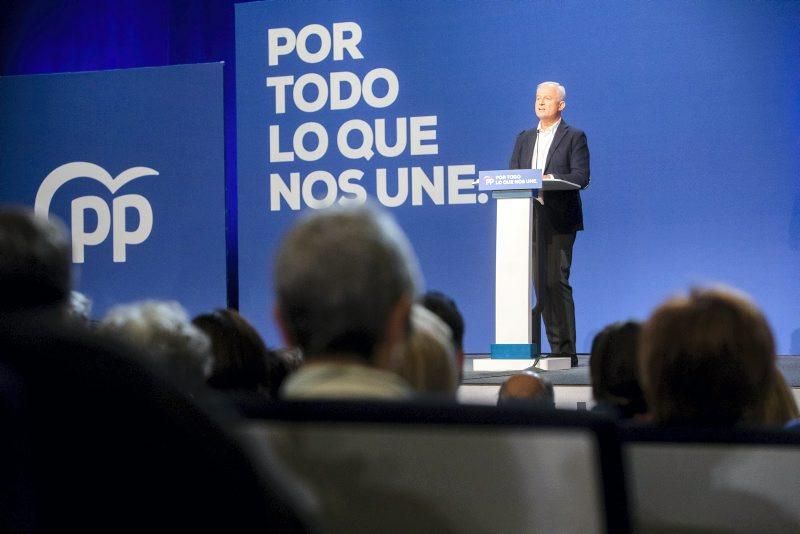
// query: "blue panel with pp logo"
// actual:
[[132, 161]]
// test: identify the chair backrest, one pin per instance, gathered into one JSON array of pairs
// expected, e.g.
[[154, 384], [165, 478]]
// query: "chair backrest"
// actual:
[[713, 480], [396, 467]]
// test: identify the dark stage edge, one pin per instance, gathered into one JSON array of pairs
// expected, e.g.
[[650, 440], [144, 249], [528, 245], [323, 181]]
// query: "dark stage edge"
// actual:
[[579, 376]]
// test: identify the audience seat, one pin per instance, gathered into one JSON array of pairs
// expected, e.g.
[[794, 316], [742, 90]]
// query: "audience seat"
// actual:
[[392, 467], [708, 480]]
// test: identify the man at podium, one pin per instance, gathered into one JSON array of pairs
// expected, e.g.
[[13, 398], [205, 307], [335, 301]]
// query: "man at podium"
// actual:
[[561, 152]]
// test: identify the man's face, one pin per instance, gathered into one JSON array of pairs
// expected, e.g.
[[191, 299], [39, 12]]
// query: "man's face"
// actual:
[[548, 104]]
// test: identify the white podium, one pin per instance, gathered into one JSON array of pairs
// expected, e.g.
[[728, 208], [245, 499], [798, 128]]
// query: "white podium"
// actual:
[[517, 343]]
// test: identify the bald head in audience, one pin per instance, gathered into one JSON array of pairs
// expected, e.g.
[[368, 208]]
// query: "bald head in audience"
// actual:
[[526, 388]]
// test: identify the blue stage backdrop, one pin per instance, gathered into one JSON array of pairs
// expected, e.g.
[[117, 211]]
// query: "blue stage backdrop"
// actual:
[[691, 111], [132, 160]]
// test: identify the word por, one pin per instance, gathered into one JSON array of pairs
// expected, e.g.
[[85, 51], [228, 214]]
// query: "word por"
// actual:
[[345, 37]]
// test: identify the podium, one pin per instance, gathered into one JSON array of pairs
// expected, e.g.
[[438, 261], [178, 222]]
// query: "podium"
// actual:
[[517, 343]]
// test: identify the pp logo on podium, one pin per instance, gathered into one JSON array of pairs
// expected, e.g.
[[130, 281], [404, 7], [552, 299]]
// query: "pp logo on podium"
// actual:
[[109, 219]]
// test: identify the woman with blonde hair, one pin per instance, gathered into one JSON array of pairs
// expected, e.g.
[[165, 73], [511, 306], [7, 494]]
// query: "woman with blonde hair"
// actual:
[[429, 362]]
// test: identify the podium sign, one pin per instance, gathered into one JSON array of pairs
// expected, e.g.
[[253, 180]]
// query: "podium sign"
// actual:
[[506, 180]]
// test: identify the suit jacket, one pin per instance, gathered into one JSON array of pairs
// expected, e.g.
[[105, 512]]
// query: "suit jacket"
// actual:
[[568, 159]]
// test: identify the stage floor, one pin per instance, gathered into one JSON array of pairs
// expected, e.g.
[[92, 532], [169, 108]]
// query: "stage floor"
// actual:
[[579, 376], [572, 386]]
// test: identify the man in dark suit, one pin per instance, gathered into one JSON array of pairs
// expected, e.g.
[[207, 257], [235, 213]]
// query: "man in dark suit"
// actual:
[[562, 153]]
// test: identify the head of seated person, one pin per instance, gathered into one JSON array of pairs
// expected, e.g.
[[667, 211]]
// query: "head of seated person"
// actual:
[[162, 331], [344, 281], [35, 263], [79, 308], [706, 359], [614, 370], [445, 308], [130, 444], [526, 389], [429, 363], [241, 360], [778, 406]]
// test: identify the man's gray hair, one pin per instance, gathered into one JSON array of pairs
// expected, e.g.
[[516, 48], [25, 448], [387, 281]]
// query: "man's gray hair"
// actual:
[[80, 307], [165, 333], [35, 265], [338, 276], [562, 92]]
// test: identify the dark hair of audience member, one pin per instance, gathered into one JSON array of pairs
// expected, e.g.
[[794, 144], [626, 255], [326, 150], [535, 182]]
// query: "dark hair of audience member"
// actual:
[[240, 359], [706, 359], [35, 263], [614, 370], [527, 389], [445, 308]]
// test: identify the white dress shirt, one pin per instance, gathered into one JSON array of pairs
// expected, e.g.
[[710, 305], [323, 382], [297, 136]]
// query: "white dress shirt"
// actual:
[[544, 139]]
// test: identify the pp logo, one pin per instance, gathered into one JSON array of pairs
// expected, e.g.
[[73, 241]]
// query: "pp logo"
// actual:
[[106, 217]]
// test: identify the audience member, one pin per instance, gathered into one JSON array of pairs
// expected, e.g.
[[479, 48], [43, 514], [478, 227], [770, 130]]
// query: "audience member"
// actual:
[[614, 370], [240, 359], [95, 441], [163, 332], [429, 363], [79, 308], [705, 359], [445, 308], [526, 389], [345, 279], [293, 357], [35, 263], [778, 406]]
